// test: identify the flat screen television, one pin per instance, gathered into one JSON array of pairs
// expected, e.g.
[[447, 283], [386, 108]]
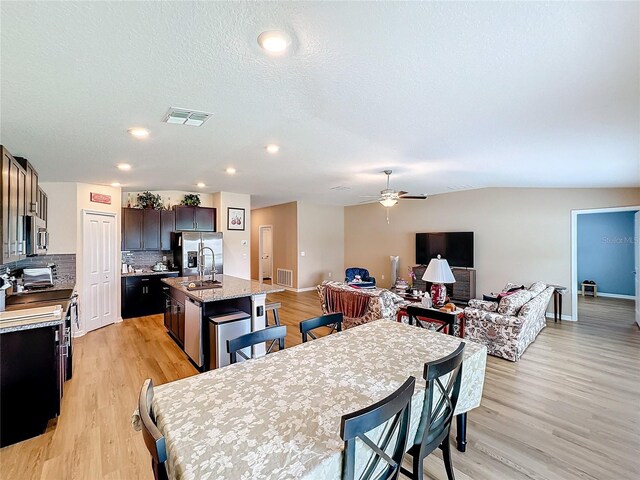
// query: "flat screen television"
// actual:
[[455, 247]]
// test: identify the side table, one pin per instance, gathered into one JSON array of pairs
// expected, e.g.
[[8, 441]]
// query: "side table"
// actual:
[[416, 311], [558, 292]]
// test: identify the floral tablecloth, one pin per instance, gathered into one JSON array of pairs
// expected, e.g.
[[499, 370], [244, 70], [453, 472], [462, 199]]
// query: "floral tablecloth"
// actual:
[[278, 416]]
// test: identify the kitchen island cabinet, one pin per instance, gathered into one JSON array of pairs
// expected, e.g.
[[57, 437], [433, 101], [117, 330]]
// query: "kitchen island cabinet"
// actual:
[[189, 311]]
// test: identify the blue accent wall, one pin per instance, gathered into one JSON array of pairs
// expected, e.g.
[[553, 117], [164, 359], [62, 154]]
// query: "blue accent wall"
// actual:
[[606, 251]]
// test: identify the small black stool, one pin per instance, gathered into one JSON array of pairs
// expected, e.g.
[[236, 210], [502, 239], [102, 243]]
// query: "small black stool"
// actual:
[[273, 306]]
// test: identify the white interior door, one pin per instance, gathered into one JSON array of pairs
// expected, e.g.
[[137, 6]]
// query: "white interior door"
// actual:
[[266, 255], [99, 265], [637, 264]]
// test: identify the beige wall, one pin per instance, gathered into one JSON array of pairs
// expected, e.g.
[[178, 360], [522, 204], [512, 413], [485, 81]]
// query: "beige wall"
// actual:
[[237, 243], [283, 219], [521, 234], [61, 221], [321, 240]]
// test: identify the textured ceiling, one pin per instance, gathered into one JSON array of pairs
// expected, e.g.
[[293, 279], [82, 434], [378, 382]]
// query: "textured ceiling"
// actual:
[[446, 94]]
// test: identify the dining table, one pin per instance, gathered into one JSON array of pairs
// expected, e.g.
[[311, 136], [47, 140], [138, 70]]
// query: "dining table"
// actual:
[[278, 416]]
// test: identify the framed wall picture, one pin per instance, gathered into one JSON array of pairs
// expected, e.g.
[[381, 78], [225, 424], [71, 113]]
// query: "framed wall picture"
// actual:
[[235, 218]]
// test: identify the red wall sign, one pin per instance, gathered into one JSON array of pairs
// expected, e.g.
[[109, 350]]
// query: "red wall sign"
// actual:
[[100, 198]]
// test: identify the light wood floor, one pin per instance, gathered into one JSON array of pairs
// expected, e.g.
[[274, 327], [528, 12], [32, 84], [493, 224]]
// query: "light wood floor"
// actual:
[[570, 409]]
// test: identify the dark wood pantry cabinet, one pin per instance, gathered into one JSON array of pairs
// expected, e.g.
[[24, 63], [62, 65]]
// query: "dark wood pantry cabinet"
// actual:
[[140, 229]]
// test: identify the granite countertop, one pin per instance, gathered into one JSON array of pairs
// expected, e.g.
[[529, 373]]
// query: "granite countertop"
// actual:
[[232, 287], [145, 273], [8, 324]]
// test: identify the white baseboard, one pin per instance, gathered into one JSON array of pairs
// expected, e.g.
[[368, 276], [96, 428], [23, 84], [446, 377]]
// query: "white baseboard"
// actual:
[[297, 290], [563, 317], [616, 295]]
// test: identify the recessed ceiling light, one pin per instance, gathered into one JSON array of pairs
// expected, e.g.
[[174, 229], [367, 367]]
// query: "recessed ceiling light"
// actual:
[[231, 170], [139, 132], [200, 185], [274, 42], [124, 166], [115, 184], [273, 148]]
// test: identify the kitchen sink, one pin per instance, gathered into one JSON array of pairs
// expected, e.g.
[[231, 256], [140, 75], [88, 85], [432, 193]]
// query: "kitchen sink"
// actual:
[[203, 285]]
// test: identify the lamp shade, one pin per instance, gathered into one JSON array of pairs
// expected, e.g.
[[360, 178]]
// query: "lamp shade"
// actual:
[[438, 271]]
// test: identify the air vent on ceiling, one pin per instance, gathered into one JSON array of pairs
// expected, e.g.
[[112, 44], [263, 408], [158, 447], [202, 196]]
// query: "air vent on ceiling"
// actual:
[[182, 116], [464, 186], [340, 188]]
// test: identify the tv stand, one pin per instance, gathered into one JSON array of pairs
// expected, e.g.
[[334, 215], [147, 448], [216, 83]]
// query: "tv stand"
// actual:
[[460, 292]]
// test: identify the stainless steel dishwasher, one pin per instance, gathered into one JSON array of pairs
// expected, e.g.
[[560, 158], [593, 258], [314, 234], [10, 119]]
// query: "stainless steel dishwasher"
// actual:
[[193, 331]]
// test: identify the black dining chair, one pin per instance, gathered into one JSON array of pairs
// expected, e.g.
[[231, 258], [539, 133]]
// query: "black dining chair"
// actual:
[[416, 318], [443, 376], [275, 335], [396, 410], [333, 320], [153, 439]]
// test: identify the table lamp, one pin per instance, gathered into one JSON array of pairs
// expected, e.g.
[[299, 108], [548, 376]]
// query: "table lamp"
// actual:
[[438, 273]]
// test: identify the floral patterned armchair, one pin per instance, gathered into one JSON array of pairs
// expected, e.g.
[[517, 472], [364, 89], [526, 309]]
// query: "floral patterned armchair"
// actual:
[[350, 274], [507, 328]]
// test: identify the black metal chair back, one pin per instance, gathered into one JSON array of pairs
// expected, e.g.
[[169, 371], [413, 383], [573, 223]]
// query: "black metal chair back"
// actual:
[[395, 409], [275, 334], [153, 439], [416, 318], [333, 320], [443, 376]]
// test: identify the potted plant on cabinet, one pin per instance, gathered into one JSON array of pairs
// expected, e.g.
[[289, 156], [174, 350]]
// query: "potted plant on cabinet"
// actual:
[[191, 200], [150, 200]]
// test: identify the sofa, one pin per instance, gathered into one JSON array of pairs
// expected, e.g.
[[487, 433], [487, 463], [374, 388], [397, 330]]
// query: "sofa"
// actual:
[[358, 306], [508, 327]]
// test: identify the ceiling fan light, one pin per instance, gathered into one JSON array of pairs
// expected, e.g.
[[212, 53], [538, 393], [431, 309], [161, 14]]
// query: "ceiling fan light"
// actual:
[[388, 202]]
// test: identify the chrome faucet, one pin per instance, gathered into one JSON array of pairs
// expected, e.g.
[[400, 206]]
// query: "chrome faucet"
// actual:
[[202, 262]]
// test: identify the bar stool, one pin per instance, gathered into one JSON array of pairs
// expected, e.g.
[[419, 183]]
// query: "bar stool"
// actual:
[[273, 307]]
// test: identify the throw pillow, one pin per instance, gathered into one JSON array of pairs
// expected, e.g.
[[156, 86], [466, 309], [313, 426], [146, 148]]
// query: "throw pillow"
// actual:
[[511, 304], [537, 288], [512, 287]]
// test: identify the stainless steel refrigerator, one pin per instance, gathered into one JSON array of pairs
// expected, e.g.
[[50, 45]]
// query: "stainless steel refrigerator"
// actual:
[[185, 252]]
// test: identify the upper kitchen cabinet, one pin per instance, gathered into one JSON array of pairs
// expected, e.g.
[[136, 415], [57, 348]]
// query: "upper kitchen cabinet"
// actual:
[[43, 205], [33, 203], [13, 211], [140, 229], [167, 225], [195, 219]]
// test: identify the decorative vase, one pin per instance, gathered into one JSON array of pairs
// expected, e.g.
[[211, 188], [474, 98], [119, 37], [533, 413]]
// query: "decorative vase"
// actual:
[[394, 268], [438, 294]]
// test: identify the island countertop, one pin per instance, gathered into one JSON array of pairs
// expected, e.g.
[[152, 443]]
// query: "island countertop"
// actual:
[[232, 287]]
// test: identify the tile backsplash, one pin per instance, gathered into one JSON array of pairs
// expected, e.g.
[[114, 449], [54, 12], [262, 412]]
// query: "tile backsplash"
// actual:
[[65, 265], [147, 259]]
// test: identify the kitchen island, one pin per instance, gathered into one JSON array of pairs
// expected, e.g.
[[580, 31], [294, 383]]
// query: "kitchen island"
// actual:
[[201, 320]]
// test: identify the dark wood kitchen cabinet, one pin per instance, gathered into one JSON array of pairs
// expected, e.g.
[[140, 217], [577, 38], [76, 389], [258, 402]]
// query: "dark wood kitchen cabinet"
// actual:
[[31, 190], [174, 317], [43, 203], [143, 295], [195, 219], [30, 389], [13, 211], [167, 226], [140, 229]]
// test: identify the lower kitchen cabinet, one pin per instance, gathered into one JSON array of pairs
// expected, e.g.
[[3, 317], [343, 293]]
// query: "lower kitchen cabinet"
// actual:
[[143, 295], [174, 317], [31, 386]]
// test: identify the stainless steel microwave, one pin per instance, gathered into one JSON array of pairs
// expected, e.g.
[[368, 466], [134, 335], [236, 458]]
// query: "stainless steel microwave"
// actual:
[[37, 236]]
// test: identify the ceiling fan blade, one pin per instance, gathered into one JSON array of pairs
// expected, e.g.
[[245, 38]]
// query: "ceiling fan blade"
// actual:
[[413, 197], [368, 201], [369, 196], [401, 193]]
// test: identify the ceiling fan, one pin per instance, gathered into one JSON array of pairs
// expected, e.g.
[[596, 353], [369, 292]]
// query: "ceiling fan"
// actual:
[[389, 197]]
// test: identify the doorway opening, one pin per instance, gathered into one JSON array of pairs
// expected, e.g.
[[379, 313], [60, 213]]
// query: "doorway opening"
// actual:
[[605, 254], [265, 253], [99, 270]]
